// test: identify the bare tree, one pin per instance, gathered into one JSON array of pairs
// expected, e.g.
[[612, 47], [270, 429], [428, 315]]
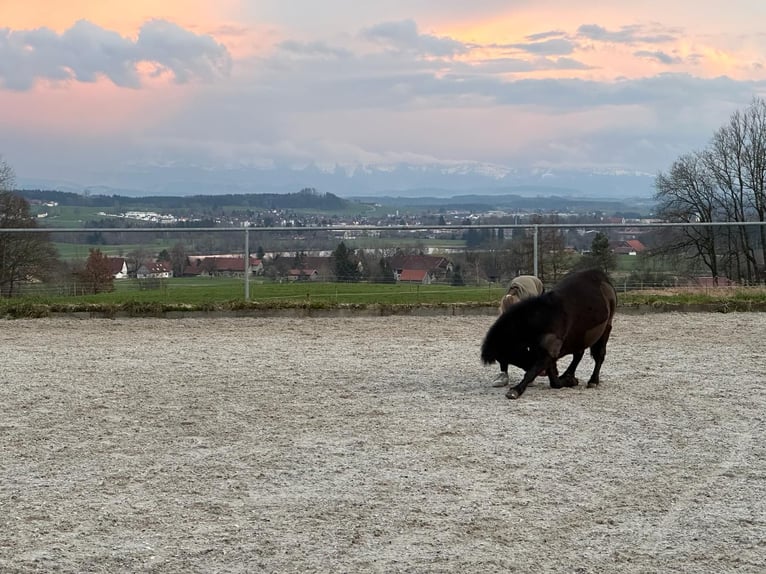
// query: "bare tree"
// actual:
[[23, 255], [553, 260], [726, 182], [137, 257], [687, 194], [755, 162], [725, 160], [178, 259]]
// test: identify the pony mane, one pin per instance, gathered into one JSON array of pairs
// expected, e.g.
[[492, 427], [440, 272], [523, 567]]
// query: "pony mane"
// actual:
[[518, 323]]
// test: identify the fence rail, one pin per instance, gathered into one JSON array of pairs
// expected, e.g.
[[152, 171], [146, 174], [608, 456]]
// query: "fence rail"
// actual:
[[245, 232]]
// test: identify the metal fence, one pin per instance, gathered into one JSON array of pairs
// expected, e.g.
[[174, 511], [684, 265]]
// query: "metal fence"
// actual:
[[245, 233]]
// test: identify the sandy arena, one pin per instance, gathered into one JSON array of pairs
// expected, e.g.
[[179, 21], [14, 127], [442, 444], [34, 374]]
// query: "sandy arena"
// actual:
[[377, 444]]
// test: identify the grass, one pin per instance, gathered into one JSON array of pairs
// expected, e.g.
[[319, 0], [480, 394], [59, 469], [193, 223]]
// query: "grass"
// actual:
[[207, 294], [222, 294], [717, 299], [65, 216], [80, 251]]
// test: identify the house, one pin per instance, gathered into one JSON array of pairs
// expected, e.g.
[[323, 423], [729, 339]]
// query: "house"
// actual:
[[154, 270], [223, 266], [436, 267], [302, 275], [414, 276], [324, 266], [118, 266], [629, 247]]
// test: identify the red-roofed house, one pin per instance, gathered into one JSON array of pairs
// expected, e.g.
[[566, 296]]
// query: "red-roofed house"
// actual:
[[429, 267], [302, 275], [223, 266], [630, 247], [415, 276]]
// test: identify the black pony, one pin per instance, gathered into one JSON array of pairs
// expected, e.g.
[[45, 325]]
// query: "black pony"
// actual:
[[533, 334]]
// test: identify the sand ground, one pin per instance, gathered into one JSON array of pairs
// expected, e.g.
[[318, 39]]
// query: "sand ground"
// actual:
[[376, 444]]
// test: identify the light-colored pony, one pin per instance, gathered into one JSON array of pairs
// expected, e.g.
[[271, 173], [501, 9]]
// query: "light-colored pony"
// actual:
[[521, 287]]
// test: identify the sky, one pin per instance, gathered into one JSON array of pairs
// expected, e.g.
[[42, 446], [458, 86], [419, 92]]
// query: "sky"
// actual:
[[90, 90]]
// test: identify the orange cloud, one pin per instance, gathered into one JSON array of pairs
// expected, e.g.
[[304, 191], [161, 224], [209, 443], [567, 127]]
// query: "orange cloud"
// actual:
[[217, 19], [100, 107], [123, 16]]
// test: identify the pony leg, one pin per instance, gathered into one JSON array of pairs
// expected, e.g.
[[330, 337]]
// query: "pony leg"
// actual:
[[529, 376], [552, 371], [501, 379], [568, 378], [598, 352]]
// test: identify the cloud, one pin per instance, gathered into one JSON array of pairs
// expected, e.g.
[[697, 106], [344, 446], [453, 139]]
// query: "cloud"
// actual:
[[659, 56], [185, 54], [86, 52], [390, 92], [625, 35], [664, 91], [555, 46], [313, 50], [520, 65], [545, 35], [404, 35]]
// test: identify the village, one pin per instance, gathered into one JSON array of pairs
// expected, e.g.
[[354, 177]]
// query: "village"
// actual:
[[421, 264]]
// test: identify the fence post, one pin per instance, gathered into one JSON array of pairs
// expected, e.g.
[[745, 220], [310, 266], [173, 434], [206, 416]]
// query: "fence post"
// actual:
[[247, 264], [536, 274]]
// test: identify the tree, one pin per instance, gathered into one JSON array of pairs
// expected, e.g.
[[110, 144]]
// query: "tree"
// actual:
[[385, 273], [178, 259], [553, 261], [23, 255], [456, 278], [600, 256], [136, 257], [688, 194], [602, 253], [346, 268], [97, 274], [725, 182], [725, 162]]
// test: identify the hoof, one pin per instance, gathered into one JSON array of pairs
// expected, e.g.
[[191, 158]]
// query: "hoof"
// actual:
[[512, 394], [592, 385], [569, 381], [501, 380]]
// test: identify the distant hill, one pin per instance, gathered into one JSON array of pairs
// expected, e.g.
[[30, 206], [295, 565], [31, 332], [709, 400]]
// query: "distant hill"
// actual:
[[327, 202], [510, 202], [305, 199]]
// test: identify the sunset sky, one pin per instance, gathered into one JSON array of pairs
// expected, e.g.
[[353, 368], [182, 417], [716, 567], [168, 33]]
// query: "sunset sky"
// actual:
[[92, 89]]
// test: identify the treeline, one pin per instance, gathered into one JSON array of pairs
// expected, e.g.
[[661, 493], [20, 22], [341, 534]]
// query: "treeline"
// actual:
[[307, 198]]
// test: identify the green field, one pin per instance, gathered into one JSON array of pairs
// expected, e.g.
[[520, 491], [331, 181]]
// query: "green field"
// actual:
[[80, 251], [65, 216], [218, 294]]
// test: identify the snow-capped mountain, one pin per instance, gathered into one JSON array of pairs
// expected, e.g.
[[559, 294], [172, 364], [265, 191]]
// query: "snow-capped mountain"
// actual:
[[361, 181]]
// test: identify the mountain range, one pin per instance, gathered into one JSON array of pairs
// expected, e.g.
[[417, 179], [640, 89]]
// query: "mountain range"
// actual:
[[401, 180]]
